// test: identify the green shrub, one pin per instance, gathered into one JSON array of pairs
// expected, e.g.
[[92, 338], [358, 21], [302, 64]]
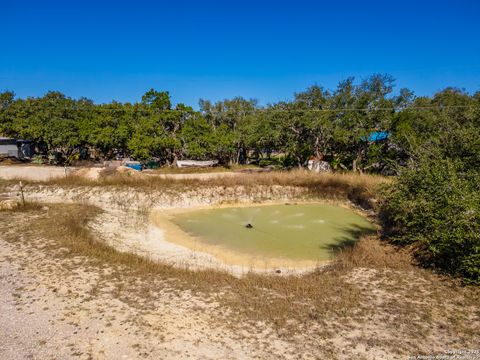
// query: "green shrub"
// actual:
[[435, 206]]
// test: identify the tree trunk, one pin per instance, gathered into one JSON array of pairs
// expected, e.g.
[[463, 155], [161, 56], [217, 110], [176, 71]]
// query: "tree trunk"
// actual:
[[356, 161], [299, 162]]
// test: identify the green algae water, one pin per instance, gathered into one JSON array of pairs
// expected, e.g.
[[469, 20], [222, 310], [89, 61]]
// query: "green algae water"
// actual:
[[296, 232]]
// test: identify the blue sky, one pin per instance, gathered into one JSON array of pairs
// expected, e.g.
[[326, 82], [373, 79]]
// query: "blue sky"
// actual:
[[268, 50]]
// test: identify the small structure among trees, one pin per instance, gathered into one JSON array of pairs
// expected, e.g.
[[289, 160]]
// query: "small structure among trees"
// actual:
[[20, 149], [317, 165]]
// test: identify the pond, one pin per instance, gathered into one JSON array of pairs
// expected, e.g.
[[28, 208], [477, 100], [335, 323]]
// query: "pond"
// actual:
[[290, 232]]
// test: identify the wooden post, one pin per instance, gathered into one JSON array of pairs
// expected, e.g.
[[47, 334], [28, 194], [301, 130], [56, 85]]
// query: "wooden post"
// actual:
[[21, 194]]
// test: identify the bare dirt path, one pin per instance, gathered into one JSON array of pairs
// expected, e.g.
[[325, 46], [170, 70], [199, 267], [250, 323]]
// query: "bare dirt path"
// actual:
[[43, 173], [197, 176], [32, 172]]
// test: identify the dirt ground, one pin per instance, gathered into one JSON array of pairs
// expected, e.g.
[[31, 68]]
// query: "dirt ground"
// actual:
[[199, 175], [43, 173], [59, 306], [32, 172], [56, 303]]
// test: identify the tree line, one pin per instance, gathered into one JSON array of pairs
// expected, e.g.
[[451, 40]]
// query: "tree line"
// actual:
[[341, 126]]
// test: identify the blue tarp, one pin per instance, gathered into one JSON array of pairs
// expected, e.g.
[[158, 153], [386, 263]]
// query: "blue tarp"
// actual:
[[378, 136], [137, 167]]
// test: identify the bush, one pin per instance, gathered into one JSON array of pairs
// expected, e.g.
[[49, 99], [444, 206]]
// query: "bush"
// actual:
[[435, 206]]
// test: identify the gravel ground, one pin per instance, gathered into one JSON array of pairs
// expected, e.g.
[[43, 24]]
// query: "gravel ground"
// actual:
[[27, 328]]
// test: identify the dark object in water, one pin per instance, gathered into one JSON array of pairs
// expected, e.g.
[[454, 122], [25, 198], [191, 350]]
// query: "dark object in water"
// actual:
[[249, 226]]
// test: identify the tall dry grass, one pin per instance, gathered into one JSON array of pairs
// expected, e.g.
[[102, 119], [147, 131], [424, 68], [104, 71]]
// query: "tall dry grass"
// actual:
[[372, 253]]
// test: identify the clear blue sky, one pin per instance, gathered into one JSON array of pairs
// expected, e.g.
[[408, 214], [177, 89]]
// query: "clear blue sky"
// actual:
[[267, 50]]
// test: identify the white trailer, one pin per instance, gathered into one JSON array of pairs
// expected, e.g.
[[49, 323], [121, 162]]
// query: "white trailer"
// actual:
[[195, 163]]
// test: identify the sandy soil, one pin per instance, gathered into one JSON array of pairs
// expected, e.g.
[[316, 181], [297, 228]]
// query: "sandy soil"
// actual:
[[32, 172], [199, 176]]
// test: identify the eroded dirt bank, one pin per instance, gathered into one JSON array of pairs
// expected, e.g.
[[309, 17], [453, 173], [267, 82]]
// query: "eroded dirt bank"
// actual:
[[140, 199]]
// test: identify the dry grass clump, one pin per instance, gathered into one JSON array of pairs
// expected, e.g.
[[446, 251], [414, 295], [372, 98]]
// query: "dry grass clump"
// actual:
[[19, 207], [372, 253]]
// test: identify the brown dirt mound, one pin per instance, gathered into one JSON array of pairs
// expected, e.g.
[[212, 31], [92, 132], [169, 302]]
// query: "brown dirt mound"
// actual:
[[89, 173], [10, 161], [98, 173]]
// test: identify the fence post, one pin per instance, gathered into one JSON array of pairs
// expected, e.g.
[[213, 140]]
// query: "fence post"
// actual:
[[21, 194]]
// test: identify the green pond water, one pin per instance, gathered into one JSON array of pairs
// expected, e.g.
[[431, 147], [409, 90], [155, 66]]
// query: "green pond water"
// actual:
[[295, 232]]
